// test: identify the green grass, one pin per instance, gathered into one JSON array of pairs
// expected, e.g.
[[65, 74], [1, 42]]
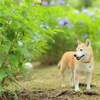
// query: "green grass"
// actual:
[[50, 77]]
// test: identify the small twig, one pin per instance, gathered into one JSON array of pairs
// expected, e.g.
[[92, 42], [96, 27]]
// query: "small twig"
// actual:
[[4, 96], [16, 83], [91, 92], [64, 92], [3, 81]]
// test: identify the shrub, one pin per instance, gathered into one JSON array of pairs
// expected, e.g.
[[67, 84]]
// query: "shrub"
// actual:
[[23, 36]]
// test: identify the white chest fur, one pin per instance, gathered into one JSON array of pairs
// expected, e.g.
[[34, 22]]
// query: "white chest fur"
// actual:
[[84, 68]]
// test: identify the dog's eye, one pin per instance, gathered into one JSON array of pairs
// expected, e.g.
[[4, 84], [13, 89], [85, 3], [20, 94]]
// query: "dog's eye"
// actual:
[[81, 49]]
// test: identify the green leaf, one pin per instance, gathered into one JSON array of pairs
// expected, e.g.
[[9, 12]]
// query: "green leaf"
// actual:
[[2, 74], [0, 94], [13, 63], [0, 87], [18, 22], [1, 58], [2, 36], [0, 90], [2, 13], [57, 30], [25, 14], [10, 73], [25, 52], [3, 48], [30, 31], [10, 34], [16, 87], [28, 1], [7, 4]]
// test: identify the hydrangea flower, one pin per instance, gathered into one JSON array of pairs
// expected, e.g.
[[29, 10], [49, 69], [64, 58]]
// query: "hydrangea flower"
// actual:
[[61, 2], [58, 18], [33, 3], [91, 14], [20, 43], [28, 65], [85, 11], [68, 5], [64, 22], [52, 3], [61, 23], [44, 3], [76, 11], [9, 22], [45, 26], [85, 36], [71, 26]]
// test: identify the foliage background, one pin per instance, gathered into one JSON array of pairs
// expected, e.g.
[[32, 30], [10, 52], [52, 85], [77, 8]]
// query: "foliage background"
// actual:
[[75, 24]]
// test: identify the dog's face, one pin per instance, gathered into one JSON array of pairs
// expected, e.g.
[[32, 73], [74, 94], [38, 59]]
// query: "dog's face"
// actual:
[[83, 50]]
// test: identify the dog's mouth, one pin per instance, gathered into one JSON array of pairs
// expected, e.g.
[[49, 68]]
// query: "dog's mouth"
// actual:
[[78, 58]]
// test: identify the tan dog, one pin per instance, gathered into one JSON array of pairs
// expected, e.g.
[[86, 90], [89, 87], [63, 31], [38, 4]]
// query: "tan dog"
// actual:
[[80, 63]]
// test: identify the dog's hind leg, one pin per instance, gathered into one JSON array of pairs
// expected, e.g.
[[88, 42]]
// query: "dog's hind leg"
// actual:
[[64, 72]]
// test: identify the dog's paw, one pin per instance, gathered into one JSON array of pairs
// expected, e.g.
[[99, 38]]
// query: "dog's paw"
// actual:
[[88, 88], [77, 90]]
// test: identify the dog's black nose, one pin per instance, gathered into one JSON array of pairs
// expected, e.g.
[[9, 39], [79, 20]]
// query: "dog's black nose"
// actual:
[[74, 55]]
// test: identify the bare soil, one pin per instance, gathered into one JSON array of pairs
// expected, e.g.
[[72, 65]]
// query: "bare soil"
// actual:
[[52, 94]]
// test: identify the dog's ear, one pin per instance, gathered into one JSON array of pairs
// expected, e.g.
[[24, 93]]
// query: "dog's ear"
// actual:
[[79, 42], [88, 43]]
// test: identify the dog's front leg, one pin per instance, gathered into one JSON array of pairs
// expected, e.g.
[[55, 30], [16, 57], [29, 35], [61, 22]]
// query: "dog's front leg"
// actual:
[[76, 81], [89, 76]]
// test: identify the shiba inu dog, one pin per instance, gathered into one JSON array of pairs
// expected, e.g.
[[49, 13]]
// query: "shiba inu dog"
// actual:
[[80, 63]]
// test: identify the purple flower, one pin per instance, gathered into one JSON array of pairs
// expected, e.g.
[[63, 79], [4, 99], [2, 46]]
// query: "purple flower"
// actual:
[[33, 3], [71, 26], [85, 11], [44, 3], [52, 3], [66, 21], [85, 36], [61, 23], [61, 2]]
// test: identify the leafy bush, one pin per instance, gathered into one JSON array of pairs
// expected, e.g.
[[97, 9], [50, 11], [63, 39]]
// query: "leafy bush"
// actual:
[[22, 37], [75, 25]]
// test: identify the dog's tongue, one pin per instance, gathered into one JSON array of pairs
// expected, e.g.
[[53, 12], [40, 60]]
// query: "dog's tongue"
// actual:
[[78, 58]]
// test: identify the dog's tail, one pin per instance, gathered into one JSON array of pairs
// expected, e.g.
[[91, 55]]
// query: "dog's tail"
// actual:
[[59, 64]]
